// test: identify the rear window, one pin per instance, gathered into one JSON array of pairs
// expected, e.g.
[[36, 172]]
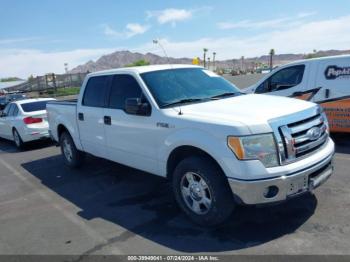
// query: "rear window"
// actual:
[[34, 106]]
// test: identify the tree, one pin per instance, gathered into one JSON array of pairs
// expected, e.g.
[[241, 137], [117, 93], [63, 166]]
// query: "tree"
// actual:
[[205, 50], [141, 62], [214, 54], [10, 79], [272, 53]]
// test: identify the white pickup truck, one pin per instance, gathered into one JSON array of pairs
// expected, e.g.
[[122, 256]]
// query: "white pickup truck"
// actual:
[[217, 146]]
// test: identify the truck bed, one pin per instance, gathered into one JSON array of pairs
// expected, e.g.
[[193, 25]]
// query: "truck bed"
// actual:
[[63, 113]]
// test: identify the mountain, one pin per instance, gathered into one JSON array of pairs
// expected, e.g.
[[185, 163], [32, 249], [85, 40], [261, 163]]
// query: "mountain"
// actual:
[[123, 58]]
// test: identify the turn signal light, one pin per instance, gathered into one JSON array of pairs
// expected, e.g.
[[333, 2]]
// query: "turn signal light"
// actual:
[[32, 120]]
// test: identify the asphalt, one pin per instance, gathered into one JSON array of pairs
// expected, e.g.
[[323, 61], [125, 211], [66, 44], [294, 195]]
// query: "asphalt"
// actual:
[[107, 208]]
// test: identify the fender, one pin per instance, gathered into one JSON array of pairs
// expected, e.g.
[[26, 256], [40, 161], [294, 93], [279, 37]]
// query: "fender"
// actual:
[[60, 120], [214, 146]]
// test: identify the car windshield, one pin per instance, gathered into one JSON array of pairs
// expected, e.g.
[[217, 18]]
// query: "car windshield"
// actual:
[[187, 85], [34, 106]]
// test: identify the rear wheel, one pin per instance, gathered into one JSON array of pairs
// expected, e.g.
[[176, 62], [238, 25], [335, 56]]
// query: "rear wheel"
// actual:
[[71, 155], [17, 139], [202, 191]]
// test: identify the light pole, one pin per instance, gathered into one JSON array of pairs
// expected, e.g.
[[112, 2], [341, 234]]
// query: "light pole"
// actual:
[[272, 53], [157, 42]]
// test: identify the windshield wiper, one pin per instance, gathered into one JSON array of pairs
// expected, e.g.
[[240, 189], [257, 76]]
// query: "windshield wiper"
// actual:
[[184, 101], [226, 95]]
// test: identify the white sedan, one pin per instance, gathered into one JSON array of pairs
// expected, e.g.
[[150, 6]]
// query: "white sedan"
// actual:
[[25, 120]]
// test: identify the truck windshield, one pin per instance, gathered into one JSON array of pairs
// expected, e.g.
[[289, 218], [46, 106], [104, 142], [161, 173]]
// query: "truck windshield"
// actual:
[[187, 85]]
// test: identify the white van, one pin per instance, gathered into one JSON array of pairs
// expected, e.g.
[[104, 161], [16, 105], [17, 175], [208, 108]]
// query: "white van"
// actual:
[[325, 81]]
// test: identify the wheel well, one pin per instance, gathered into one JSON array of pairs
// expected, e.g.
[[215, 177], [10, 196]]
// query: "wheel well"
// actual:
[[182, 152], [60, 130]]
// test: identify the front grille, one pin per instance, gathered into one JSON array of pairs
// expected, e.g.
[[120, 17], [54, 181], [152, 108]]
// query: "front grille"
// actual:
[[302, 138]]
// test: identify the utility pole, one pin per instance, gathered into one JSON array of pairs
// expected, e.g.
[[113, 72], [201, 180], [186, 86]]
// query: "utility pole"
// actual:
[[242, 63]]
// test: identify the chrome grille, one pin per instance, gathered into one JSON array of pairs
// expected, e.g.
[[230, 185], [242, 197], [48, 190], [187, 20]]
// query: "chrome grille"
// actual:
[[303, 137]]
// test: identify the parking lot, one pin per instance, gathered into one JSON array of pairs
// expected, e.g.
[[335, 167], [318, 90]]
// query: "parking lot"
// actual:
[[106, 208]]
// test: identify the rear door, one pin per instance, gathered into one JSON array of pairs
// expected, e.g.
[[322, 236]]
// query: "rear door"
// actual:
[[333, 79], [90, 115], [288, 81]]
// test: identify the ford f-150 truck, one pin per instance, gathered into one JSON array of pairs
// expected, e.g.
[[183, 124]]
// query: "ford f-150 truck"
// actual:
[[217, 146]]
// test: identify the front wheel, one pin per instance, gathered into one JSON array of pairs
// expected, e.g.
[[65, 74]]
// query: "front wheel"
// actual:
[[202, 191], [71, 155]]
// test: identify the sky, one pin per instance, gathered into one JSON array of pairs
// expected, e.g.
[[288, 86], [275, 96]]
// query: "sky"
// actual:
[[39, 36]]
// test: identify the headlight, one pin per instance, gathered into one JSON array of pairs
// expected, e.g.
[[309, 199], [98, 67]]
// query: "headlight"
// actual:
[[260, 147], [323, 114]]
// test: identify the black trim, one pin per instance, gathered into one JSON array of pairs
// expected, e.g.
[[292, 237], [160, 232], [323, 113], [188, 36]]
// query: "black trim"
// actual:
[[333, 99], [313, 91]]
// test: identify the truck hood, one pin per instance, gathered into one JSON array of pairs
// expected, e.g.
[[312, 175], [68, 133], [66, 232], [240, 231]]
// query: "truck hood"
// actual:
[[253, 111]]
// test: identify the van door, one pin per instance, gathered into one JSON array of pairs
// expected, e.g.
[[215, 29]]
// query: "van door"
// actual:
[[333, 79], [288, 81], [90, 116]]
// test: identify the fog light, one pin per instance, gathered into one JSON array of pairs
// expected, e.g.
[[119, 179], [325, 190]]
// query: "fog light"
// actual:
[[270, 191]]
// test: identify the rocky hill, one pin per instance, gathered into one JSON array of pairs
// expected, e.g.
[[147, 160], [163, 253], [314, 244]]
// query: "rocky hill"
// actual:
[[122, 58]]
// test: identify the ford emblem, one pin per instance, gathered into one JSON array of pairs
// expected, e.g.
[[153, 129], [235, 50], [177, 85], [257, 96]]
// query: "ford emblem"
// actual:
[[314, 133]]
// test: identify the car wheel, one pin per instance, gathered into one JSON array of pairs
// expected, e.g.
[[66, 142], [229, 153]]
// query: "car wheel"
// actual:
[[17, 139], [202, 191], [71, 155]]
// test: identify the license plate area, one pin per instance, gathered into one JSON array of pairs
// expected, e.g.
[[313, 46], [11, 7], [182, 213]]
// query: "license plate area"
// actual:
[[298, 185]]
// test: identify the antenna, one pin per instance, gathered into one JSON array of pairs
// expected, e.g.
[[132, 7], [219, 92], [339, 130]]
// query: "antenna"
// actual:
[[157, 42]]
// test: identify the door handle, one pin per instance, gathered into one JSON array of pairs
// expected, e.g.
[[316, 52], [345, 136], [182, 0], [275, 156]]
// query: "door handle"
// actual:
[[107, 120], [81, 116]]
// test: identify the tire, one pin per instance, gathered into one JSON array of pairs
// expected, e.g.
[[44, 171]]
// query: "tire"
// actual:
[[202, 191], [17, 139], [72, 157]]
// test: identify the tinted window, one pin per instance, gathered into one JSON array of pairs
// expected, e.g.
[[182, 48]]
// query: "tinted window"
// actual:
[[7, 108], [34, 106], [15, 110], [123, 87], [95, 91], [283, 79], [12, 108]]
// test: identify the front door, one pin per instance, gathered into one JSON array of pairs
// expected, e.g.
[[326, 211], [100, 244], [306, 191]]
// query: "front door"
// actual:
[[131, 139], [289, 81]]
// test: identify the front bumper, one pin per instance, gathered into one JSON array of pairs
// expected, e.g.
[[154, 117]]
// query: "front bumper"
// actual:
[[281, 188]]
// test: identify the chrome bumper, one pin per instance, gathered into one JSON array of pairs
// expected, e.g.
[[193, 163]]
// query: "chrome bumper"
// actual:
[[284, 187]]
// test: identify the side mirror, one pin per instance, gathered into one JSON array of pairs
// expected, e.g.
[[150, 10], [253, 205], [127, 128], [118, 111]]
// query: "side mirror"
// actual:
[[135, 106]]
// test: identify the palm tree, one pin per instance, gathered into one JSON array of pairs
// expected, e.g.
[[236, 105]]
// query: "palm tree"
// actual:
[[208, 62], [272, 53], [214, 54], [205, 50]]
